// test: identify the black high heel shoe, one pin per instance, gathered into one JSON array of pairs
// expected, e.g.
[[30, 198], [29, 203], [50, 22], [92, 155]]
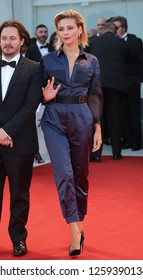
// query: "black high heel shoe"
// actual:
[[82, 240], [76, 252], [38, 158]]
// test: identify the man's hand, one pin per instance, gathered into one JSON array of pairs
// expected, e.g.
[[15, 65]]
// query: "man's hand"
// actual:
[[4, 139], [7, 142]]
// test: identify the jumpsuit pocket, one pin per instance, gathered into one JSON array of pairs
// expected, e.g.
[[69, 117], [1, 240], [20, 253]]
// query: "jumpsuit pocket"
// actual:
[[82, 77]]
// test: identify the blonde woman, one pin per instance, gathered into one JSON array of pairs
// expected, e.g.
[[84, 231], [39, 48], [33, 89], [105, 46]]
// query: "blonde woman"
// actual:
[[73, 100]]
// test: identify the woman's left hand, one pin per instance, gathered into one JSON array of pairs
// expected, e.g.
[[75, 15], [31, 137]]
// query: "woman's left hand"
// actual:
[[97, 138]]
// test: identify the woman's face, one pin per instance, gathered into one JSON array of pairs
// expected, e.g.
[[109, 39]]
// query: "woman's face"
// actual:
[[68, 31]]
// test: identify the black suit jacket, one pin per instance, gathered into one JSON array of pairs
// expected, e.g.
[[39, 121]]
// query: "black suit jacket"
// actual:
[[33, 52], [112, 53], [17, 110], [135, 68]]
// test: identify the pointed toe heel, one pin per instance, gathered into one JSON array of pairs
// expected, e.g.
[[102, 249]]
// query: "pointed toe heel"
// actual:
[[76, 252]]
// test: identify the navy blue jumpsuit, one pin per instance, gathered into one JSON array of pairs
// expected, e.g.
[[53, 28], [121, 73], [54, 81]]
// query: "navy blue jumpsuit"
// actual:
[[68, 128]]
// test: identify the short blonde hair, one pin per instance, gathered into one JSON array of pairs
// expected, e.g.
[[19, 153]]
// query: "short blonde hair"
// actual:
[[83, 39]]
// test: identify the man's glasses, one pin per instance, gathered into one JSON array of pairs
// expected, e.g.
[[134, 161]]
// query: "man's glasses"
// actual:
[[117, 27]]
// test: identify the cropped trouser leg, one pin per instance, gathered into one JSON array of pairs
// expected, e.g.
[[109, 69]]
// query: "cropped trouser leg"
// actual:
[[69, 157]]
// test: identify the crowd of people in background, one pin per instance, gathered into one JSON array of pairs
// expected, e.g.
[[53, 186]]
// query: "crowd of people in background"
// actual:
[[120, 56]]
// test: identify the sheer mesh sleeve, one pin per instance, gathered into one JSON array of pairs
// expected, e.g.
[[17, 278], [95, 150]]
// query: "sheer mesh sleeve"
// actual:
[[95, 97]]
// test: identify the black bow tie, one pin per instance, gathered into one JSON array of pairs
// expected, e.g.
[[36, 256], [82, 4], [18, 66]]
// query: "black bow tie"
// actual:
[[4, 63], [45, 46]]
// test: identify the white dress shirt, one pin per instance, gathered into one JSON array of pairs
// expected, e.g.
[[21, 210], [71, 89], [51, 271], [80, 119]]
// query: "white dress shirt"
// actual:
[[124, 37], [6, 74], [43, 51]]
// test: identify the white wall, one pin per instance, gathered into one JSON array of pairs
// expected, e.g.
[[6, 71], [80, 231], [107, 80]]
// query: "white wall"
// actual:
[[17, 9], [5, 10], [45, 10]]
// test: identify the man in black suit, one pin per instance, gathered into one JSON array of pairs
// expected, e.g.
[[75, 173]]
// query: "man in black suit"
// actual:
[[112, 53], [34, 52], [20, 95], [132, 121]]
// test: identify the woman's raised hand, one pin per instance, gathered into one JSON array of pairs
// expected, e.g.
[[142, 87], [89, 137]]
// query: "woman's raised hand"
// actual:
[[49, 92]]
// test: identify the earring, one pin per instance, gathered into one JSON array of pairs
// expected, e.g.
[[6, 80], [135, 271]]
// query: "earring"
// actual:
[[79, 35]]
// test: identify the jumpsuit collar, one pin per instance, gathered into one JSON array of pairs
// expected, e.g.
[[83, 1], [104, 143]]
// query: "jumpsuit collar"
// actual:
[[81, 54]]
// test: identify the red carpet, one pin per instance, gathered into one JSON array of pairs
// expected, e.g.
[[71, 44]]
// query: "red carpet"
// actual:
[[113, 226]]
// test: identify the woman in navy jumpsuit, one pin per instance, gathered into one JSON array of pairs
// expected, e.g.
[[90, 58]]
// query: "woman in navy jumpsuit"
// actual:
[[73, 105]]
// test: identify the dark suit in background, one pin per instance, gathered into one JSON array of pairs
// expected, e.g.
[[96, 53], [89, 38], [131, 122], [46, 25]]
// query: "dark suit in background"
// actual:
[[112, 54], [17, 120], [34, 53], [132, 119], [132, 123]]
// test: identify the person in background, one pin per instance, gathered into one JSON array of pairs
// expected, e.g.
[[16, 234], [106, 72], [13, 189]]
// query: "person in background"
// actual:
[[91, 32], [53, 40], [98, 31], [41, 47], [132, 119], [99, 25], [20, 95], [112, 54], [73, 106], [34, 52]]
